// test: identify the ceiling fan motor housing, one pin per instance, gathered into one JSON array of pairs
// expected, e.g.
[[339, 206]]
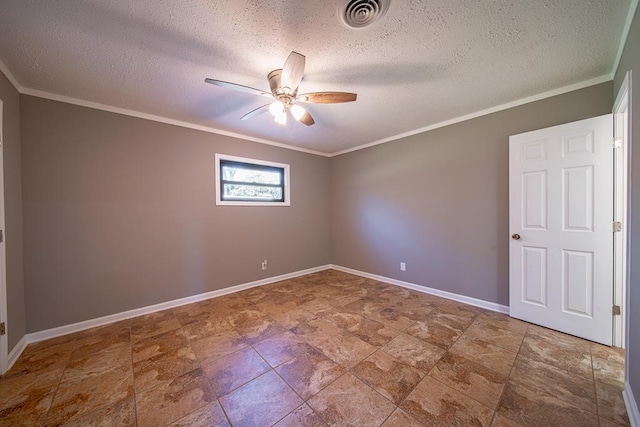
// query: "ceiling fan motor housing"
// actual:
[[274, 78]]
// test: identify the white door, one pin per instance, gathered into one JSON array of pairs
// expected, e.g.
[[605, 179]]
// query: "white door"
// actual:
[[560, 220]]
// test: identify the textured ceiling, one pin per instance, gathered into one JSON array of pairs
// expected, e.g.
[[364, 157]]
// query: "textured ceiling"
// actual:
[[423, 63]]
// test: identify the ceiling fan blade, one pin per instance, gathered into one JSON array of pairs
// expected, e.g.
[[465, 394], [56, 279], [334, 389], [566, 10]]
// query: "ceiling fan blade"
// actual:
[[235, 86], [307, 119], [292, 71], [301, 115], [327, 97], [254, 113]]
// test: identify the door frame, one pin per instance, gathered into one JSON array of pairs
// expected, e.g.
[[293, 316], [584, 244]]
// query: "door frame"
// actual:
[[4, 347], [625, 95], [621, 129]]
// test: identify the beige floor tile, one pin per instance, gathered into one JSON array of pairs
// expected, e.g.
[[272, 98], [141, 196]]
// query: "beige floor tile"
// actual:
[[97, 339], [164, 367], [530, 409], [610, 354], [492, 334], [82, 395], [354, 347], [159, 406], [488, 355], [611, 404], [400, 418], [233, 370], [434, 403], [116, 356], [388, 376], [219, 345], [374, 332], [558, 338], [414, 352], [315, 331], [280, 348], [209, 415], [350, 402], [547, 379], [260, 402], [470, 378], [345, 349], [368, 306], [394, 318], [500, 421], [503, 321], [302, 416], [435, 333], [310, 373], [149, 328], [291, 318], [254, 325], [25, 399], [608, 371], [158, 345], [49, 354], [120, 414], [462, 310], [198, 329], [557, 352]]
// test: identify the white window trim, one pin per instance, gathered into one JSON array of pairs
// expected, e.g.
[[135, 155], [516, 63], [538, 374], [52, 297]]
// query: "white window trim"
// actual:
[[287, 190]]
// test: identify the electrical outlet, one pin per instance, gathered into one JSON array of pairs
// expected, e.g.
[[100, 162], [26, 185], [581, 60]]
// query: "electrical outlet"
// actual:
[[403, 266], [264, 264]]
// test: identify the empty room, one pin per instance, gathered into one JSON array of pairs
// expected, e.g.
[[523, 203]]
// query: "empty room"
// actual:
[[298, 213]]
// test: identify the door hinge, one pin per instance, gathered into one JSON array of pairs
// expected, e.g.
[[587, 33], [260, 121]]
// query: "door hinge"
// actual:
[[617, 226], [1, 236], [617, 142], [616, 310], [3, 329]]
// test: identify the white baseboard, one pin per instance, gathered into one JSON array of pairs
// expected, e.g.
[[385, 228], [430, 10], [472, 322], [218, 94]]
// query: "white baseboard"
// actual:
[[424, 289], [15, 353], [632, 406], [92, 323]]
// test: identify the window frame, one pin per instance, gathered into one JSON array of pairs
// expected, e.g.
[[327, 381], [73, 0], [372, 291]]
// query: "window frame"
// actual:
[[256, 164]]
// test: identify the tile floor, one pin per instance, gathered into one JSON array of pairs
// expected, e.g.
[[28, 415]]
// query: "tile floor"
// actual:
[[324, 349]]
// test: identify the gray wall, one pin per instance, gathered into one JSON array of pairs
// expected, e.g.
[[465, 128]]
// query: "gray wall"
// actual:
[[631, 61], [119, 213], [439, 200], [16, 318]]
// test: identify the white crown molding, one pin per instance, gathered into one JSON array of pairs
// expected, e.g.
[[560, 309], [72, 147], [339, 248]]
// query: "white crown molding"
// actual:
[[426, 290], [160, 119], [516, 103], [625, 34], [631, 405], [11, 77], [152, 117]]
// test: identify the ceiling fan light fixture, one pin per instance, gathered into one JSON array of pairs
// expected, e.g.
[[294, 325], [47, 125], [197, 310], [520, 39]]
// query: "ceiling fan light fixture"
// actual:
[[281, 118], [279, 112], [276, 108]]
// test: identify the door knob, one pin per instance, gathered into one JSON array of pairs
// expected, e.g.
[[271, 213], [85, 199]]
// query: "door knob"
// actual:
[[516, 236]]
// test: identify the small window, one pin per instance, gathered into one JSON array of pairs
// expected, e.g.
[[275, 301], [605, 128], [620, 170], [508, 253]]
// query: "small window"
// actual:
[[249, 182]]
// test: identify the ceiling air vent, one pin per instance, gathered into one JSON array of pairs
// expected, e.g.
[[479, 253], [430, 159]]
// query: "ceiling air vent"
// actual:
[[362, 13]]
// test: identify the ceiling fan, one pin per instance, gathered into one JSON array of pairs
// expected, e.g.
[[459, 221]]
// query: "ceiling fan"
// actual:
[[284, 88]]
